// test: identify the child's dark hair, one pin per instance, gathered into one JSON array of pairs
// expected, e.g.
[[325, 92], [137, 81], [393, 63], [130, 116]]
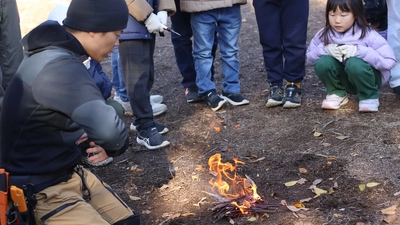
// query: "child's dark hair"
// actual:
[[354, 6]]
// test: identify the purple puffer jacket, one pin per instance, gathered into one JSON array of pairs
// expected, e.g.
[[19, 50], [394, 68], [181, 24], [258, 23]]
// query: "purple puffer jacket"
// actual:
[[373, 49]]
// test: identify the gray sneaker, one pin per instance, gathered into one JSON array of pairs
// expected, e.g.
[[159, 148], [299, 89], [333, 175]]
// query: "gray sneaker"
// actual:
[[275, 97]]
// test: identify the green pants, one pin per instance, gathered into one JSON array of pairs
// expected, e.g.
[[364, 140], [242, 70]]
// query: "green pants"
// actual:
[[354, 77], [118, 107]]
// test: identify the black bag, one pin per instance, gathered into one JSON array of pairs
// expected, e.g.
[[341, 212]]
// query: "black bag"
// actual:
[[376, 13]]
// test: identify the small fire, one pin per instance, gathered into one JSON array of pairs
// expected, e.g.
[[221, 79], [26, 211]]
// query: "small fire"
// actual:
[[240, 191]]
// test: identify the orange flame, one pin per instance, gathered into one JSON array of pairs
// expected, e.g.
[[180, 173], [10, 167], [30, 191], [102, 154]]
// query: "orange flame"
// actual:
[[230, 185]]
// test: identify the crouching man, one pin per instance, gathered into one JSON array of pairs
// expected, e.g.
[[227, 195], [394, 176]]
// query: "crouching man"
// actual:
[[51, 105]]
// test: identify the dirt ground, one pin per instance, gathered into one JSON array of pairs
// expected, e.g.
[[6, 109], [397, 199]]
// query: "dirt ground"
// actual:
[[343, 148]]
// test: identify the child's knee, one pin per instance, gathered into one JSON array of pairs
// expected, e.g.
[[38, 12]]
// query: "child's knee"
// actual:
[[324, 63]]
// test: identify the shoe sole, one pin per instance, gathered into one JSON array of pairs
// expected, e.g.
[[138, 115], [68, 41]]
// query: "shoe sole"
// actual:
[[290, 105], [367, 110], [244, 102], [344, 102], [194, 100], [133, 128], [220, 104], [272, 103], [141, 142], [159, 112]]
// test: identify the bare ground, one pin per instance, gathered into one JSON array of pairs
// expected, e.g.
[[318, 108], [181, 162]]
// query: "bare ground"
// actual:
[[353, 148]]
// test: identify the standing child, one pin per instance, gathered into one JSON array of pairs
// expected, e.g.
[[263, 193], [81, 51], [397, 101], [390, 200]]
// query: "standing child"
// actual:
[[349, 56], [282, 26], [225, 18]]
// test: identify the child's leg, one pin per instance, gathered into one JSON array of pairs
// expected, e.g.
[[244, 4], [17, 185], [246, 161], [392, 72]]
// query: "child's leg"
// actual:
[[203, 27], [228, 35], [331, 72], [294, 18], [268, 22], [364, 79]]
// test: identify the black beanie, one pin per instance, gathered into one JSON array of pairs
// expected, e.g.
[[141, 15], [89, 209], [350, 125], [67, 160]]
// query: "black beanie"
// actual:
[[97, 15]]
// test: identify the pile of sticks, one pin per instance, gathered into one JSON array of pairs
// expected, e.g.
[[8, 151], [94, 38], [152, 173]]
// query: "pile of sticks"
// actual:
[[229, 210]]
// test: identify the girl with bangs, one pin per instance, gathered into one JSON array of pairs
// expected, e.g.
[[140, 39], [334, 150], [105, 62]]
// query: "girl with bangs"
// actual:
[[350, 57]]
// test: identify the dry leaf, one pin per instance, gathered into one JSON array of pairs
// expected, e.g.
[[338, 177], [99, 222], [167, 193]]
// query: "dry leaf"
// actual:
[[341, 137], [165, 186], [353, 154], [390, 210], [303, 170], [336, 215], [317, 181], [372, 184], [264, 217], [252, 156], [298, 205], [134, 198], [294, 209], [301, 181], [335, 185], [317, 134], [290, 183], [305, 200], [330, 191], [361, 187], [390, 219], [330, 159], [319, 191], [252, 219], [195, 177], [217, 129]]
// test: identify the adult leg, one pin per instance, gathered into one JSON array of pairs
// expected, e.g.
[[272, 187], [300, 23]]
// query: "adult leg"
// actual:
[[63, 204], [268, 13]]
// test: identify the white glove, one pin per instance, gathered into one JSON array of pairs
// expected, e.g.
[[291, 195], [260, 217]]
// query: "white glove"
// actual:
[[163, 16], [334, 51], [348, 50], [153, 24]]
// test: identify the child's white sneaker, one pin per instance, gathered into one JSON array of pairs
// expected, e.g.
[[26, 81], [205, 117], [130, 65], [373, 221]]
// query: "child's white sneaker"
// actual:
[[334, 101], [369, 105]]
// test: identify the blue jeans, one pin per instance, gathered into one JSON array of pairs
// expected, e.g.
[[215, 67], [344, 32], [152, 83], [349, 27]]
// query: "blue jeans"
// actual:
[[117, 76], [183, 46], [227, 22]]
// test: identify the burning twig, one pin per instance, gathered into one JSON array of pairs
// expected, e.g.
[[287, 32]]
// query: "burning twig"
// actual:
[[237, 196]]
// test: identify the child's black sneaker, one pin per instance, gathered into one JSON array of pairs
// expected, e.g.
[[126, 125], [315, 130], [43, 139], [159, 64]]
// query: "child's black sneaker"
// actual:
[[275, 97], [160, 128], [151, 139], [235, 98], [292, 96], [192, 95], [214, 100]]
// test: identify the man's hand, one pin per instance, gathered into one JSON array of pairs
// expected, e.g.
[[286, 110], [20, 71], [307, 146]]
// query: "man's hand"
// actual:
[[163, 16], [153, 24], [96, 153], [348, 50], [334, 51]]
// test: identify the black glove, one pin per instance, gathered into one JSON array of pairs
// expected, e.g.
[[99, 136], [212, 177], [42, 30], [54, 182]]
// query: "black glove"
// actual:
[[397, 91]]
